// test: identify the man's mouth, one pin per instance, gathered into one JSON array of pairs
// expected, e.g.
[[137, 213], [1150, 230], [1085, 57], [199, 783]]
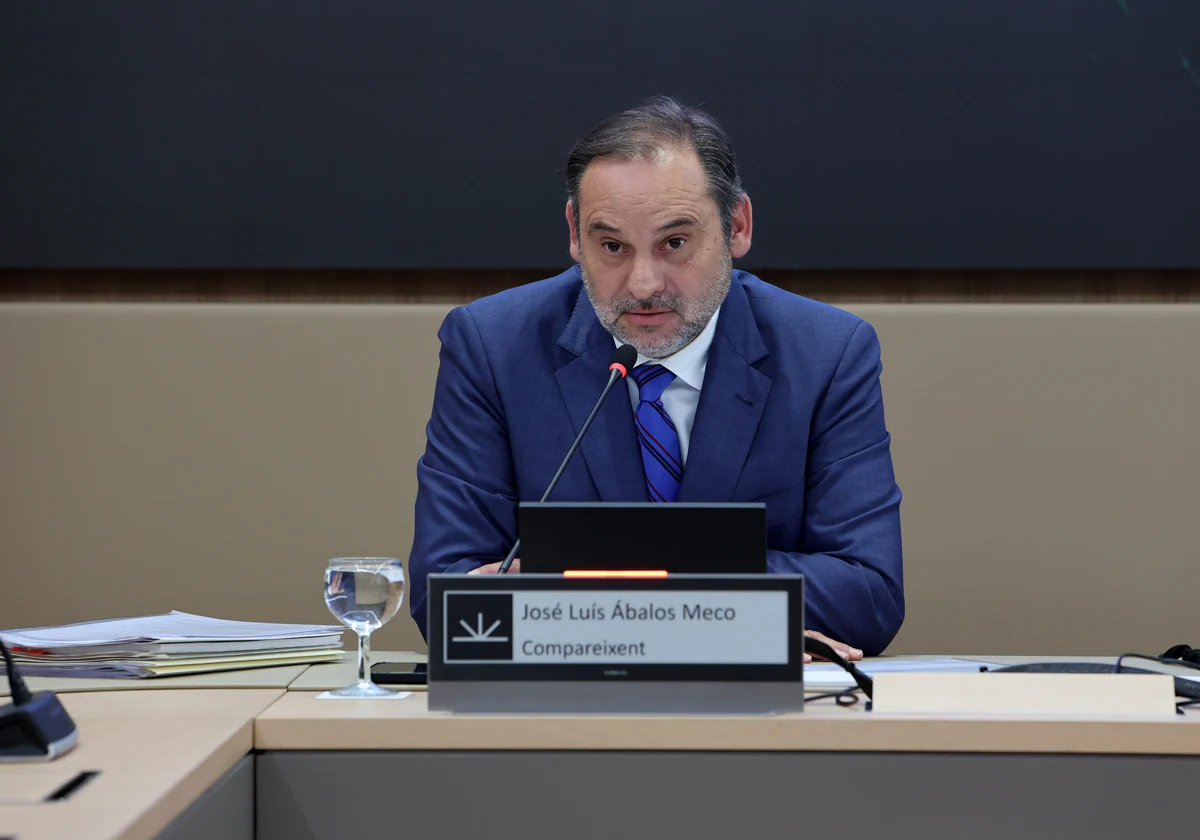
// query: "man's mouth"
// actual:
[[648, 317]]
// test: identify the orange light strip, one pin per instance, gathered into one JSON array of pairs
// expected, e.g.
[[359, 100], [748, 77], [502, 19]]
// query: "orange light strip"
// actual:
[[628, 573]]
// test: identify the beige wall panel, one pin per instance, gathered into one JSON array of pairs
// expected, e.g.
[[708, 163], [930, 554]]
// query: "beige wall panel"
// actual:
[[210, 458]]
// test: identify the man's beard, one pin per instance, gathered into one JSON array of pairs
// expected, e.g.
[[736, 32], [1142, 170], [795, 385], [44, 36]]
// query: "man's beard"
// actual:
[[653, 342]]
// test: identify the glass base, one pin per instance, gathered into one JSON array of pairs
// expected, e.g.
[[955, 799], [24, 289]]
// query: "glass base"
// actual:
[[365, 688]]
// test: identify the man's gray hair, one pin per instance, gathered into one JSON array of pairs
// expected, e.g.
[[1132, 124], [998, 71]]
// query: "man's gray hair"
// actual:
[[644, 131]]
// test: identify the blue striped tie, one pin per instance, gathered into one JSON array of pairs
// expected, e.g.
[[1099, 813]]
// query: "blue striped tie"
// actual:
[[656, 432]]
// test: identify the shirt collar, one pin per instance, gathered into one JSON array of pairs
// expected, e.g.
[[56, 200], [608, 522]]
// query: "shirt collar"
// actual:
[[689, 363]]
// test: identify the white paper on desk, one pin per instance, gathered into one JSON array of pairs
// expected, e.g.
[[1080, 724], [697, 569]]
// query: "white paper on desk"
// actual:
[[129, 669], [174, 626], [830, 676]]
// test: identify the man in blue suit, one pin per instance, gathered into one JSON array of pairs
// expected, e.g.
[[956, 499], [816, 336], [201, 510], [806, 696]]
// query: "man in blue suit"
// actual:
[[742, 393]]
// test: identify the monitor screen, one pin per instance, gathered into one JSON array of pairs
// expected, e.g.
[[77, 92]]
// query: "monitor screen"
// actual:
[[679, 538]]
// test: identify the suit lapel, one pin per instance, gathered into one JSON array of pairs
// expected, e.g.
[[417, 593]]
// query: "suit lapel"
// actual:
[[610, 447], [732, 400]]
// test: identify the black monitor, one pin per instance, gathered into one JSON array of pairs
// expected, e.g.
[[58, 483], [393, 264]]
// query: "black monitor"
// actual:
[[679, 538]]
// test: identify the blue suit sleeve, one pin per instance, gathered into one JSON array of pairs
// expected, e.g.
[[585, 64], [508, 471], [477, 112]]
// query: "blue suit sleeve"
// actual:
[[851, 553], [466, 496]]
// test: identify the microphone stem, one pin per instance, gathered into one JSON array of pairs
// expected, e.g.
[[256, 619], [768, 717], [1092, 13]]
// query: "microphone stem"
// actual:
[[613, 376], [16, 685], [503, 570]]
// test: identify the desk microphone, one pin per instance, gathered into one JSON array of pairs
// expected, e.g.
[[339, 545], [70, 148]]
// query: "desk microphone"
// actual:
[[622, 362], [33, 727]]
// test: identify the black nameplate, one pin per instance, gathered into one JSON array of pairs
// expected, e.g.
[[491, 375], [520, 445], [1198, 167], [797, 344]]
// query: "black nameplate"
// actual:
[[522, 627]]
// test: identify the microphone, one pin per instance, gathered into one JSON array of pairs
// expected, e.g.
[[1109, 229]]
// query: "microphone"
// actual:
[[622, 362], [33, 727]]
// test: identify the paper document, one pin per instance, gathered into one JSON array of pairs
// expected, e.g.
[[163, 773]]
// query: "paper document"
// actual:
[[173, 667], [827, 676], [174, 650], [171, 627], [163, 645]]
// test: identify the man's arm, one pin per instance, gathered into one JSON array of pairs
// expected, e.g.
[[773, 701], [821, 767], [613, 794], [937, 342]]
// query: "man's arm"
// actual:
[[852, 556], [466, 493]]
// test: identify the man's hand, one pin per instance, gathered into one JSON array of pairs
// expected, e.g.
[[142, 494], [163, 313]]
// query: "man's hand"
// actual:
[[492, 568], [844, 650]]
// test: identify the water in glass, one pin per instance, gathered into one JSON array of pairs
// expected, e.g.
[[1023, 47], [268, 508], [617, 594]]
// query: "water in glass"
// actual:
[[364, 593]]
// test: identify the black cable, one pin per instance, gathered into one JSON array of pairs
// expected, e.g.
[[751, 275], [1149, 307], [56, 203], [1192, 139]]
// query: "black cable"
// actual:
[[824, 651], [1184, 652], [16, 685], [845, 697], [1166, 660], [1163, 659]]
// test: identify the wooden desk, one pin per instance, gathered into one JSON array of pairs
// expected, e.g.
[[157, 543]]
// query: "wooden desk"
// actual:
[[332, 675], [338, 769], [176, 762], [157, 752], [298, 721]]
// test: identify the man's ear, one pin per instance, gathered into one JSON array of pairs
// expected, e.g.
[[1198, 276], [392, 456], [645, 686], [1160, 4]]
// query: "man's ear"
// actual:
[[573, 232], [741, 227]]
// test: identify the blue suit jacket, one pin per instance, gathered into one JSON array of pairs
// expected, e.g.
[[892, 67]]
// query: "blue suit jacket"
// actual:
[[790, 414]]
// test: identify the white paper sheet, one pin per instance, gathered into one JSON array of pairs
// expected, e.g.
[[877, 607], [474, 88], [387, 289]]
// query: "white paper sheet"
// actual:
[[827, 676], [170, 627]]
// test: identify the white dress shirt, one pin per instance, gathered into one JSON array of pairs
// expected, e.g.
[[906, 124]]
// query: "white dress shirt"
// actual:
[[681, 397]]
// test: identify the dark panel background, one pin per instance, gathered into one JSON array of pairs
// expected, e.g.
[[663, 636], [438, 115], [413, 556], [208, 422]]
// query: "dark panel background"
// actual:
[[386, 134]]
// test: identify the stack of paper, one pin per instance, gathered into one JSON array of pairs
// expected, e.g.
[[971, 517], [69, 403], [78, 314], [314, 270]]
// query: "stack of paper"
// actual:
[[163, 645], [826, 675]]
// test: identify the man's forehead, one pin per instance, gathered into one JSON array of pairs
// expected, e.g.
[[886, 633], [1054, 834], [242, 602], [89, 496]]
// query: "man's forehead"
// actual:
[[672, 169], [650, 190]]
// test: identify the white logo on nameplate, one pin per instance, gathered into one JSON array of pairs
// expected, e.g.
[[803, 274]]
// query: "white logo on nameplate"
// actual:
[[477, 627], [477, 633]]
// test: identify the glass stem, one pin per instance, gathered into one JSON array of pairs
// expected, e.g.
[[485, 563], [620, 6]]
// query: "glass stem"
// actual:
[[364, 653]]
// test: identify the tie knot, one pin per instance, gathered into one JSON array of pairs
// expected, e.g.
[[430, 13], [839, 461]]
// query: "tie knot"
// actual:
[[651, 380]]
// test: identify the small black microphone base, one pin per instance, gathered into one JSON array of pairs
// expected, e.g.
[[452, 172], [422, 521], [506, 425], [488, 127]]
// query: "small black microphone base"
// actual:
[[39, 730]]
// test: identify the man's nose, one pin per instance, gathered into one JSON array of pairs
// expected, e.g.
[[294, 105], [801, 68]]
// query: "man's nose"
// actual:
[[645, 280]]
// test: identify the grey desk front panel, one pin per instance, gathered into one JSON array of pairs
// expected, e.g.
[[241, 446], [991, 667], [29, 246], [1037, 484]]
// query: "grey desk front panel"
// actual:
[[601, 795], [224, 811]]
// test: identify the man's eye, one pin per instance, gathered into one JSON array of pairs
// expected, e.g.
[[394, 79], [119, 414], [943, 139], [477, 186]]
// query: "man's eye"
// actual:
[[675, 243], [612, 247]]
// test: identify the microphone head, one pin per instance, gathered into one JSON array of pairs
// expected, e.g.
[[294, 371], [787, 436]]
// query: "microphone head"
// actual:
[[623, 360]]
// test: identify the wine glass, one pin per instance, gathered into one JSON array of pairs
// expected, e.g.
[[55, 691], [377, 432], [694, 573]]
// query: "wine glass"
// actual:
[[364, 593]]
